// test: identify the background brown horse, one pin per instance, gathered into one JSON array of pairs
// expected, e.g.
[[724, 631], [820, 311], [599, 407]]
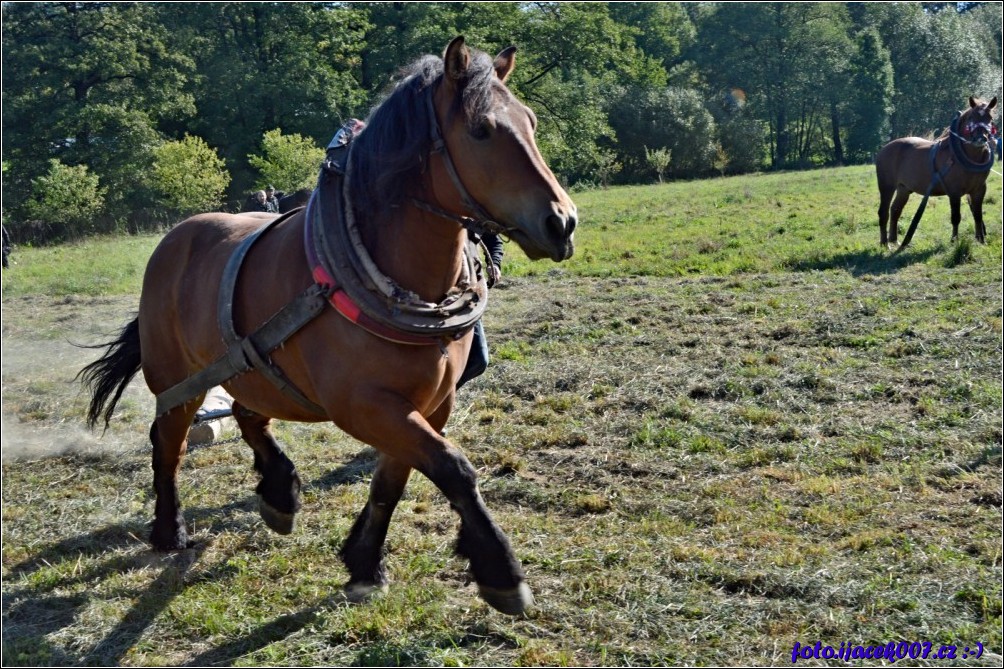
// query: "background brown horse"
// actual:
[[393, 396], [907, 165]]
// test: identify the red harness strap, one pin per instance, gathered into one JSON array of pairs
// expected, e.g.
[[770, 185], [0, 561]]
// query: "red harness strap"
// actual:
[[347, 307]]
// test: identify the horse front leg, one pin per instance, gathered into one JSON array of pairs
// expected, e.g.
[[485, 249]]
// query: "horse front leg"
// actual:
[[362, 552], [956, 204], [395, 427], [169, 436], [279, 488], [976, 207]]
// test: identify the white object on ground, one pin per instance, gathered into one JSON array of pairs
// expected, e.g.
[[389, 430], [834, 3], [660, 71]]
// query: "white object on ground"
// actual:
[[213, 418]]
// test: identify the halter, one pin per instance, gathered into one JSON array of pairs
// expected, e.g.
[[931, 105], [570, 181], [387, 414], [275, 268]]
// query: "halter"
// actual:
[[483, 222], [956, 139]]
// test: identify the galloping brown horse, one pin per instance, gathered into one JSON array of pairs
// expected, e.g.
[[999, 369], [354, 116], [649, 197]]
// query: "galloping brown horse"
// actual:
[[955, 164], [410, 189]]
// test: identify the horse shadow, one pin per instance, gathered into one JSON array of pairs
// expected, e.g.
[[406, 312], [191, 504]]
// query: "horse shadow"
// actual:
[[35, 606], [868, 262]]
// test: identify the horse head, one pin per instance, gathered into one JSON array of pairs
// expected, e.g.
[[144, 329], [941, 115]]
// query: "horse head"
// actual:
[[489, 136], [976, 123]]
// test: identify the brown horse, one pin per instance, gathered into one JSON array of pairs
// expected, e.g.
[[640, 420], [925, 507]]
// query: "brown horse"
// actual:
[[955, 164], [394, 396]]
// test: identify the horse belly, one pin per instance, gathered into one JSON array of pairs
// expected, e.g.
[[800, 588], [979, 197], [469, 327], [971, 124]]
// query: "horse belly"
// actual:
[[905, 164]]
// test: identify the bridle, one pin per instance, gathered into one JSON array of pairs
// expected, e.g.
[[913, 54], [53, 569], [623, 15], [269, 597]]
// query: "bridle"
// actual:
[[967, 135], [482, 223]]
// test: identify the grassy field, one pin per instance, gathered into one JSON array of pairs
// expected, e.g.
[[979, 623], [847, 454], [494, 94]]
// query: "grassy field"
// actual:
[[729, 424]]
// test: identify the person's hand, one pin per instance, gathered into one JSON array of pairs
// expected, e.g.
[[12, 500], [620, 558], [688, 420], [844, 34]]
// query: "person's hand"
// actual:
[[494, 274]]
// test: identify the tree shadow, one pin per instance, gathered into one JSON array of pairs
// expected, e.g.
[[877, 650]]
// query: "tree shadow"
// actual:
[[869, 262], [34, 604], [355, 470], [31, 612]]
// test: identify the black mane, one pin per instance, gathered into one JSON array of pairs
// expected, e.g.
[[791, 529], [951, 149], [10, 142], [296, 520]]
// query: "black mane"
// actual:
[[397, 137]]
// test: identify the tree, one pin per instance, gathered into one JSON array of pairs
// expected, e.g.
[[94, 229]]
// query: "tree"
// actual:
[[871, 81], [269, 65], [939, 60], [658, 160], [785, 56], [189, 177], [290, 162], [87, 84], [671, 117], [64, 204]]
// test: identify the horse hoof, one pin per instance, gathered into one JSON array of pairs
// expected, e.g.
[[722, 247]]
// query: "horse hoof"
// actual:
[[278, 521], [358, 592], [511, 601], [177, 543]]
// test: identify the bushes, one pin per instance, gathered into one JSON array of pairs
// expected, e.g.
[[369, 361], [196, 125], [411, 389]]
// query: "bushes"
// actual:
[[189, 177], [65, 204]]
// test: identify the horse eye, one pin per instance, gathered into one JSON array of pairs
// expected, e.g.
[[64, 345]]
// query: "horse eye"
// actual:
[[480, 131]]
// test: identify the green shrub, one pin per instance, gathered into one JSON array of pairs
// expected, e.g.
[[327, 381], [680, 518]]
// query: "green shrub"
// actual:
[[189, 177], [290, 162], [65, 201]]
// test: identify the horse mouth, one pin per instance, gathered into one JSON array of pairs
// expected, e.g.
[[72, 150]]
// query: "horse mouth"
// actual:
[[558, 251]]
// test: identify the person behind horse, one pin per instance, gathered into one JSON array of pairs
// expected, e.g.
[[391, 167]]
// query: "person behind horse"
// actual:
[[477, 359], [271, 200], [259, 202]]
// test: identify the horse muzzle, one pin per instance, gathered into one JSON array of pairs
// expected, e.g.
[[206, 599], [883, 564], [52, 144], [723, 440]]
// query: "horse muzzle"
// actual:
[[554, 239]]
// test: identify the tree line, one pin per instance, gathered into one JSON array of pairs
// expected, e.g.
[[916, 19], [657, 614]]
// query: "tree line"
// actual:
[[132, 115]]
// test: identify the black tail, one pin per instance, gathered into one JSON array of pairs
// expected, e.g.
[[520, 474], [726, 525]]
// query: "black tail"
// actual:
[[109, 375]]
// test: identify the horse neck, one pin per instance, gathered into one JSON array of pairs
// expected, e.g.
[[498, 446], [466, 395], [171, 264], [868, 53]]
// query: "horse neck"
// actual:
[[977, 154], [419, 251]]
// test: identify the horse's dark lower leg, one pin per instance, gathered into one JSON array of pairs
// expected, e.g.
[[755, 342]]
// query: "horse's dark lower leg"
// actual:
[[895, 211], [885, 197], [397, 429], [976, 207], [169, 435], [956, 206], [279, 488], [492, 561], [362, 552]]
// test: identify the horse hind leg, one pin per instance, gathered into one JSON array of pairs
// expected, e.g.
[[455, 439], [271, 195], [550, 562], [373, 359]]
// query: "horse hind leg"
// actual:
[[169, 436], [885, 197], [895, 211], [279, 488], [362, 552]]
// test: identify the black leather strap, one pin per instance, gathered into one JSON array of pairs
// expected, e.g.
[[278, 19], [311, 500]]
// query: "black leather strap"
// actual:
[[250, 353]]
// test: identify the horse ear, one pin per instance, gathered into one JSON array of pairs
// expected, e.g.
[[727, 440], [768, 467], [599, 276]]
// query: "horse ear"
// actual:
[[504, 62], [456, 59], [972, 101], [992, 103]]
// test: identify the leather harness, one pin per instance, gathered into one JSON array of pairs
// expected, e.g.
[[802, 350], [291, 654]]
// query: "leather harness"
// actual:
[[345, 277], [958, 156]]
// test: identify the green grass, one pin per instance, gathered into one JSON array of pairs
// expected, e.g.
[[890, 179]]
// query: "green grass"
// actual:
[[99, 266], [696, 463]]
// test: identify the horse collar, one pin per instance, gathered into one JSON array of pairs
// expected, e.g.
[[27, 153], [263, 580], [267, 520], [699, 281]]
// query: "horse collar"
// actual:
[[360, 292], [955, 141]]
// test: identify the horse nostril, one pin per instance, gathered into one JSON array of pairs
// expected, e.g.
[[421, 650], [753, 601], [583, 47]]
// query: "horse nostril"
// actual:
[[559, 226], [555, 226]]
